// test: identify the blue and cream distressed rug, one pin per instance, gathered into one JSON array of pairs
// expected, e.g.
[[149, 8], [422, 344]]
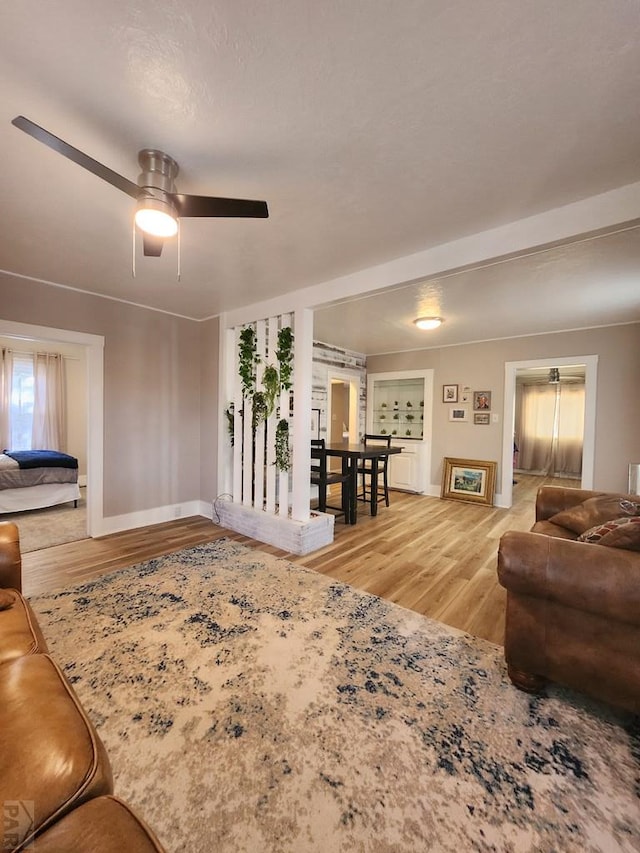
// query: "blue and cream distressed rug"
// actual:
[[252, 706]]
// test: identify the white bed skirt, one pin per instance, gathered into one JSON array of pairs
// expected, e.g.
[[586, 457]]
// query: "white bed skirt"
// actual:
[[38, 497]]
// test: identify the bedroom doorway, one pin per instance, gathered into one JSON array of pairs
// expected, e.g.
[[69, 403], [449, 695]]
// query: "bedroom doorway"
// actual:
[[92, 347], [590, 363]]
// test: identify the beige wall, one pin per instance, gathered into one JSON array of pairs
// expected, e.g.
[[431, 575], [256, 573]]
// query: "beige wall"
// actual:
[[482, 367], [152, 378], [209, 359]]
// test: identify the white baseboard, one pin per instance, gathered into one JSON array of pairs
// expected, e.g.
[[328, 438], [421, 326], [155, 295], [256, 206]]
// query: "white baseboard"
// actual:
[[156, 515]]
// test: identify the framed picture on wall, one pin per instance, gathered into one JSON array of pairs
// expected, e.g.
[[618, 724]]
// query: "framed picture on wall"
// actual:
[[481, 418], [449, 393], [459, 414], [481, 401], [468, 480]]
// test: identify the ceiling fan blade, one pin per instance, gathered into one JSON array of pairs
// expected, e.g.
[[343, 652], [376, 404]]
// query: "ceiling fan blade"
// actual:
[[200, 205], [77, 156], [152, 246]]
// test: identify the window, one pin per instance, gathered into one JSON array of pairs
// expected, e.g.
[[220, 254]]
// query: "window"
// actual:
[[21, 405]]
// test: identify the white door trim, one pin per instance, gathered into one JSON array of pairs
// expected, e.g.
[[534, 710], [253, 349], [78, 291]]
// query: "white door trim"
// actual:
[[588, 448]]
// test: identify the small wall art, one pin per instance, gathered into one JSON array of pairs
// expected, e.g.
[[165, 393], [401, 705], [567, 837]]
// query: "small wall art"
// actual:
[[481, 401], [449, 393], [459, 414], [465, 394], [481, 418]]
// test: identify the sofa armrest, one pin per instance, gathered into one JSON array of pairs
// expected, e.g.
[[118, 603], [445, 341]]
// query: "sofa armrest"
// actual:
[[580, 575], [553, 499], [10, 559]]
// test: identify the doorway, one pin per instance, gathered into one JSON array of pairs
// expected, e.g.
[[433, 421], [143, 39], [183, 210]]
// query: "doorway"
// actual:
[[94, 366], [343, 406], [590, 366], [338, 428]]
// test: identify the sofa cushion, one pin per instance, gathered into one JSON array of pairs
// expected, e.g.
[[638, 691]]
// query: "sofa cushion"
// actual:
[[103, 825], [594, 511], [619, 533], [20, 633], [554, 530], [51, 757], [6, 599]]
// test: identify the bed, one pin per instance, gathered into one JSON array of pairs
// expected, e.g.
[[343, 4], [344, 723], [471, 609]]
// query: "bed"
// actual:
[[33, 479]]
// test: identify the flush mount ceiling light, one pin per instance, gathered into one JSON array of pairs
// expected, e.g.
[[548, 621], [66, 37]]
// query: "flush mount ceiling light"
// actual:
[[428, 322]]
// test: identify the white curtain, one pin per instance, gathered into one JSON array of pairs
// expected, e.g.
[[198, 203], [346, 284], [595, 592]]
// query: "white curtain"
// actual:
[[550, 429], [6, 374], [49, 428]]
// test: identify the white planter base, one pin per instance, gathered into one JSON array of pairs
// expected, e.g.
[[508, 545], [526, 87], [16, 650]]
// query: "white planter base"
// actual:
[[296, 537]]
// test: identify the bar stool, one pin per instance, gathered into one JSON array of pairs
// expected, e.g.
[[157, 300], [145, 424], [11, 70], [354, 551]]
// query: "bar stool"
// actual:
[[365, 469], [322, 478]]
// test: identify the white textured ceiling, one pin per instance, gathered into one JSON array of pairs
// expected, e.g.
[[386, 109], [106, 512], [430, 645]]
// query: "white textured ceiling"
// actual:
[[373, 128], [595, 282]]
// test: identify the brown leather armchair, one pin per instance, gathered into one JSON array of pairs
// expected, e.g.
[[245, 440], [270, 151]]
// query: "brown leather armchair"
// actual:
[[573, 608]]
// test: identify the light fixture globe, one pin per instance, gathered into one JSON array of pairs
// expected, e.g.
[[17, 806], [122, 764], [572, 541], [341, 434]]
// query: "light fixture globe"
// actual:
[[157, 217], [428, 322]]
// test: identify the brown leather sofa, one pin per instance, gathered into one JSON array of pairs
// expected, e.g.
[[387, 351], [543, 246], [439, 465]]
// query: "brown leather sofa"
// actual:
[[56, 787], [573, 607]]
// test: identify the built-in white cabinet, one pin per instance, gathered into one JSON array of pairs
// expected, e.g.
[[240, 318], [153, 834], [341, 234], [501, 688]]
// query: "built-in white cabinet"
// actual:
[[400, 404]]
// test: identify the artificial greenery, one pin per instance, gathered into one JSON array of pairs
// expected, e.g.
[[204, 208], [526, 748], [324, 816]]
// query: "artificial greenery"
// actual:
[[283, 453], [260, 407], [249, 360], [229, 413], [271, 385], [284, 354], [274, 380]]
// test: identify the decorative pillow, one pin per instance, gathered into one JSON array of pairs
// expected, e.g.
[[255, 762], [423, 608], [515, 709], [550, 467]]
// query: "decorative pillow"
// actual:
[[595, 511], [619, 533], [6, 600]]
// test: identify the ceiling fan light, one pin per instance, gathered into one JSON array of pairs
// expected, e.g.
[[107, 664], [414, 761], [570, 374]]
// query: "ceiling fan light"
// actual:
[[428, 322], [156, 217]]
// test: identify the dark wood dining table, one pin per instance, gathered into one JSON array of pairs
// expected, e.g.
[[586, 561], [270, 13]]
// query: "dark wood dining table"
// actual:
[[351, 454]]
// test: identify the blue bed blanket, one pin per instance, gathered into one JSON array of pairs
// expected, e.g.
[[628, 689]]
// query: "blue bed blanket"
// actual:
[[42, 458]]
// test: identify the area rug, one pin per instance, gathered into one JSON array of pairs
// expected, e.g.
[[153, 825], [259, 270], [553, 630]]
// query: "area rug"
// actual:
[[249, 705], [55, 525]]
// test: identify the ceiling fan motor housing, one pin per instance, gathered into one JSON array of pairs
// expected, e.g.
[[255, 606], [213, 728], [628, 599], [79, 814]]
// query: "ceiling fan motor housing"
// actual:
[[156, 180]]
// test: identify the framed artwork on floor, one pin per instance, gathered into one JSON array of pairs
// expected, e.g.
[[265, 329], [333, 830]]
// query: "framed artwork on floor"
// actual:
[[469, 480]]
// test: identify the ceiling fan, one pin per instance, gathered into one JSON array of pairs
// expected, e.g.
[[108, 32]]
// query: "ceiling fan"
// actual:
[[158, 206]]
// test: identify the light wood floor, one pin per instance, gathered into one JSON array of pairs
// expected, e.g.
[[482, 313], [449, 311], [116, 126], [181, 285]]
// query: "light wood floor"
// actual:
[[432, 556]]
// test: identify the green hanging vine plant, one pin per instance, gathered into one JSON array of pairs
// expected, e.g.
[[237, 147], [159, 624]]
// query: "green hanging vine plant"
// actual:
[[274, 381], [229, 413], [271, 384], [283, 452], [249, 360], [284, 354]]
